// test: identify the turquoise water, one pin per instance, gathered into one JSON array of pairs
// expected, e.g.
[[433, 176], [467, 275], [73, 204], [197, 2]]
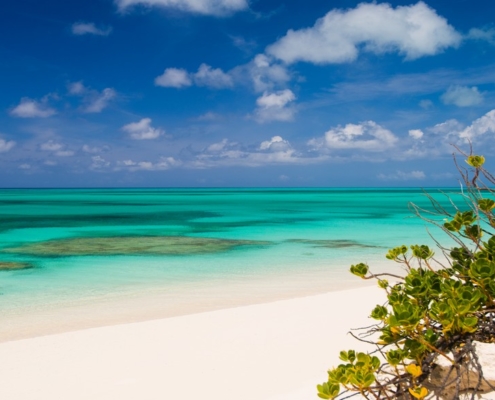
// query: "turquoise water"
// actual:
[[304, 231]]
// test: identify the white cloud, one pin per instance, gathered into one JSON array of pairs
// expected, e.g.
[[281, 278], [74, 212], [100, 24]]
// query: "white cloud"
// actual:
[[479, 127], [216, 147], [416, 133], [29, 108], [51, 146], [56, 148], [142, 130], [24, 166], [265, 74], [487, 35], [85, 28], [262, 73], [276, 150], [77, 88], [98, 162], [278, 99], [163, 164], [174, 77], [205, 7], [462, 96], [92, 150], [213, 78], [403, 176], [94, 101], [97, 103], [245, 45], [207, 76], [426, 104], [367, 136], [414, 31], [6, 145], [275, 106], [449, 126], [276, 143], [438, 139]]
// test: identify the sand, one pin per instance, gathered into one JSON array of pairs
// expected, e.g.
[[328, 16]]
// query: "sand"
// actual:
[[273, 351]]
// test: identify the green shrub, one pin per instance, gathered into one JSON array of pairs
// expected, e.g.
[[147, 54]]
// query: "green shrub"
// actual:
[[436, 310]]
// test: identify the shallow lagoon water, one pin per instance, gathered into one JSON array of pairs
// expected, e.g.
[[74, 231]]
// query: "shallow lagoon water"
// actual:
[[307, 237]]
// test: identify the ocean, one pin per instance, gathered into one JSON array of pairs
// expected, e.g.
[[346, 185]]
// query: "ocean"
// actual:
[[100, 256]]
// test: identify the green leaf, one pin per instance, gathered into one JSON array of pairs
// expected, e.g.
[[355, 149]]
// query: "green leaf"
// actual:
[[486, 205], [475, 161], [379, 312], [360, 270]]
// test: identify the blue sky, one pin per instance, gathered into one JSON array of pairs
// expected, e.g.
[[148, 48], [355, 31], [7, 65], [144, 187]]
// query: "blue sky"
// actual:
[[103, 93]]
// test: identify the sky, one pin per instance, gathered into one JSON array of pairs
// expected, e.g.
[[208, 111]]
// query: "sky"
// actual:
[[243, 93]]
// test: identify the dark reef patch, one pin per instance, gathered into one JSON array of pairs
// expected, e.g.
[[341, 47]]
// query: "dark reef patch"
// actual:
[[334, 244], [14, 266], [130, 245]]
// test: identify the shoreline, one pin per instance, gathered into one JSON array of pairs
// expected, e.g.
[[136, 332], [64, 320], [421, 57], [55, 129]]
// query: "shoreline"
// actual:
[[175, 301], [271, 351]]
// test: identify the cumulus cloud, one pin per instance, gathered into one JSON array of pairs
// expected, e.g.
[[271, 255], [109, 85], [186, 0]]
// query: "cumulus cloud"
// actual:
[[89, 28], [438, 139], [273, 151], [174, 77], [479, 127], [205, 7], [207, 76], [449, 126], [6, 145], [98, 162], [462, 96], [142, 130], [276, 143], [275, 106], [212, 77], [56, 148], [93, 100], [217, 147], [403, 176], [413, 31], [264, 73], [29, 108], [51, 146], [163, 164], [367, 136], [416, 133]]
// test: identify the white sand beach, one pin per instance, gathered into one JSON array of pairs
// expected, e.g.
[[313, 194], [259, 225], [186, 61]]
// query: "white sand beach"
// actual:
[[272, 351]]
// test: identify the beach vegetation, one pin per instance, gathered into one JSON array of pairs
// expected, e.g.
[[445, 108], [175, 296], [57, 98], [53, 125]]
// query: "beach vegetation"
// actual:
[[436, 310]]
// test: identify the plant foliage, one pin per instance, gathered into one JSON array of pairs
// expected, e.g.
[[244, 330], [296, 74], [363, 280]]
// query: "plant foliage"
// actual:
[[437, 310]]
